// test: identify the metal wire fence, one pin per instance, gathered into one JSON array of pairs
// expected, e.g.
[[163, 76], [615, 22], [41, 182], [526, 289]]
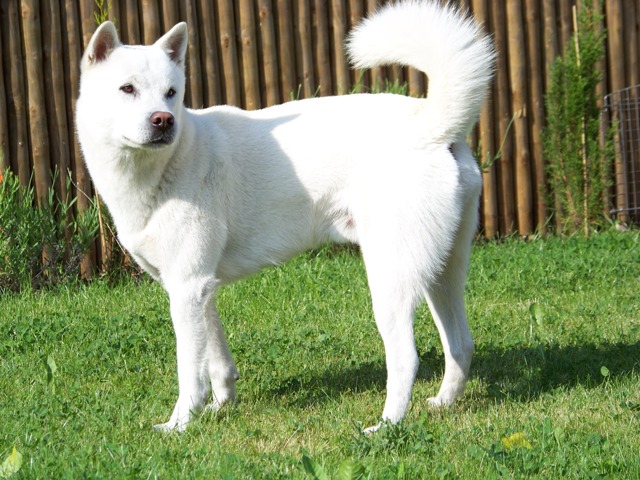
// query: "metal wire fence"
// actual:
[[623, 108]]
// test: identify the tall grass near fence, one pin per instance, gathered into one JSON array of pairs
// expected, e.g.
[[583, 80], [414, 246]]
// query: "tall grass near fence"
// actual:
[[40, 244]]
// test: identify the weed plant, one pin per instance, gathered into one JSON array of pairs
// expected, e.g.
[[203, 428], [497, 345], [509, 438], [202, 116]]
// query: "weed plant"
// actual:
[[40, 245]]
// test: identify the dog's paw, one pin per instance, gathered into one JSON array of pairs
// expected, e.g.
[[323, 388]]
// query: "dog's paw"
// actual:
[[183, 413], [170, 427], [372, 429], [438, 402]]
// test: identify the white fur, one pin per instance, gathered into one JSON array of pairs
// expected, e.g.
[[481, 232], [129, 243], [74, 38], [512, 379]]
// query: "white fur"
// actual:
[[224, 192]]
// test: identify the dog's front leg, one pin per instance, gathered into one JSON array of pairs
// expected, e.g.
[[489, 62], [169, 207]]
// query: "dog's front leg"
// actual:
[[204, 360]]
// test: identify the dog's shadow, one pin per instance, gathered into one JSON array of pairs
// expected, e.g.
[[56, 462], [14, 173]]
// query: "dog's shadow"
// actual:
[[517, 373]]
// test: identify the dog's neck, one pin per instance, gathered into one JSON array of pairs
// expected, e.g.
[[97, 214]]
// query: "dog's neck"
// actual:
[[131, 181]]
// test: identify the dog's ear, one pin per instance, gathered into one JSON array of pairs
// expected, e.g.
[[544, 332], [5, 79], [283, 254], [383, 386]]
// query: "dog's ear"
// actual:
[[104, 41], [174, 43]]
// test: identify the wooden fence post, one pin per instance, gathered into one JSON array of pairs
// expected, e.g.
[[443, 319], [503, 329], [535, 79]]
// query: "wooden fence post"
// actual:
[[615, 35], [270, 63], [321, 40], [377, 74], [535, 74], [19, 150], [209, 57], [502, 110], [487, 149], [194, 68], [518, 78], [40, 147], [81, 25], [171, 14], [56, 101], [341, 69], [151, 27], [359, 79], [229, 49], [304, 52], [248, 42], [4, 118]]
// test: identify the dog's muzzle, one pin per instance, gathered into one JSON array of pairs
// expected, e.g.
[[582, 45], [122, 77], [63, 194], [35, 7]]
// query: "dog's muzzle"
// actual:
[[163, 128]]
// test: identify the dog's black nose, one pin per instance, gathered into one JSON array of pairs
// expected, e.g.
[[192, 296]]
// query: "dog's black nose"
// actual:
[[162, 120]]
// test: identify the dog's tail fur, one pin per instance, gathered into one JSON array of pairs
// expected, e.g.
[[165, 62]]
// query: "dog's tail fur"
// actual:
[[441, 41]]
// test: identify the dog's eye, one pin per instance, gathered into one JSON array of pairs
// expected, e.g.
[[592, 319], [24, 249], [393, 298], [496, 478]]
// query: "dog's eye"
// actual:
[[170, 93], [128, 89]]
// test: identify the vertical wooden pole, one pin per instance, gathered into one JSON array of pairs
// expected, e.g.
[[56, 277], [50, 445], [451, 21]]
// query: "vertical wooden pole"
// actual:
[[37, 106], [535, 74], [564, 18], [194, 68], [487, 148], [56, 101], [377, 74], [304, 52], [551, 50], [16, 100], [339, 21], [228, 47], [4, 117], [170, 14], [81, 21], [286, 50], [359, 79], [631, 22], [502, 109], [248, 39], [130, 29], [270, 64], [518, 78], [151, 21], [615, 36], [323, 57], [601, 91], [211, 88]]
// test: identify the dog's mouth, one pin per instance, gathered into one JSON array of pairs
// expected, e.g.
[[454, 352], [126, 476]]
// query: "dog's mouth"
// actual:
[[161, 141], [152, 143]]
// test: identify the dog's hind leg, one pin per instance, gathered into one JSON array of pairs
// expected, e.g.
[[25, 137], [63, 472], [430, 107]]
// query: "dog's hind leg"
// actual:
[[393, 310], [445, 296]]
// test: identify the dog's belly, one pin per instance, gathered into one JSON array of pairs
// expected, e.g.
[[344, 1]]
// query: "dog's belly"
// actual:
[[247, 252]]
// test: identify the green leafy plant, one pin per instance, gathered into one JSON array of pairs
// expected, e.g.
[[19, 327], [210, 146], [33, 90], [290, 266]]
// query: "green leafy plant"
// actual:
[[102, 14], [40, 245], [11, 464], [577, 162]]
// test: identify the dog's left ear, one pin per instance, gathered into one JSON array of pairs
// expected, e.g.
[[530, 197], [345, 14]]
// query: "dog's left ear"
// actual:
[[174, 43]]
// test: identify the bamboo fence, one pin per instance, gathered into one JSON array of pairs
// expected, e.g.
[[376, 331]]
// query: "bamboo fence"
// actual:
[[257, 53]]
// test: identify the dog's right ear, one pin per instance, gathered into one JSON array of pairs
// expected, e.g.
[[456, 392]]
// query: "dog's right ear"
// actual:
[[104, 41]]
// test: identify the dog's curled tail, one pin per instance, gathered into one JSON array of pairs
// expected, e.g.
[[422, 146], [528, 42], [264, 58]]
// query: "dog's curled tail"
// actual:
[[441, 41]]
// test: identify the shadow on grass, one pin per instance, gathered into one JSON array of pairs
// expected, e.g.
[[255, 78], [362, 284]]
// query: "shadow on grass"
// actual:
[[517, 373], [525, 372]]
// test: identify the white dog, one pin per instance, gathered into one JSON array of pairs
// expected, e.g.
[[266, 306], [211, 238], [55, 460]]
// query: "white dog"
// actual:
[[201, 198]]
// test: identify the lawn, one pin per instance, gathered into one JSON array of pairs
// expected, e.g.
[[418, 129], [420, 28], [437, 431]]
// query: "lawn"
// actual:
[[554, 392]]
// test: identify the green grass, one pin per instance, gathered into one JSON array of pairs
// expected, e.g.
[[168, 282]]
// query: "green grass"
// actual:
[[554, 393]]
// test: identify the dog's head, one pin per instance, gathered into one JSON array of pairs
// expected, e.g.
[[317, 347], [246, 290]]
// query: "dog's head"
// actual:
[[131, 97]]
